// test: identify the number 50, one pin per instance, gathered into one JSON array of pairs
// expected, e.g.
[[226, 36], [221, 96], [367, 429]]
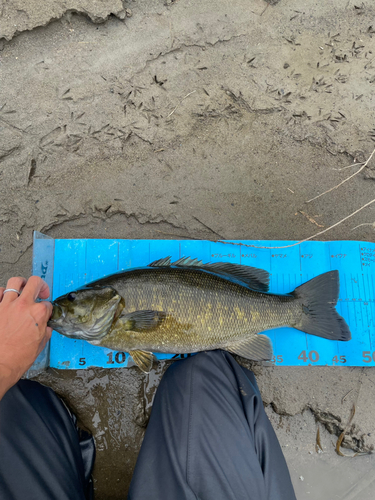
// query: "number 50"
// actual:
[[367, 357]]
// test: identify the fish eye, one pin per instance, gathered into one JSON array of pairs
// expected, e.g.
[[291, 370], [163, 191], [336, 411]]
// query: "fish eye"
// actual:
[[72, 296]]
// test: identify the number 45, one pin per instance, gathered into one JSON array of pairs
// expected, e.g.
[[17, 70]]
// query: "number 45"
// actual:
[[341, 360]]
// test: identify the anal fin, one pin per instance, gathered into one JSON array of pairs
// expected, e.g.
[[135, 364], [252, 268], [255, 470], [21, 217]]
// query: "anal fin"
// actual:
[[256, 348], [143, 359]]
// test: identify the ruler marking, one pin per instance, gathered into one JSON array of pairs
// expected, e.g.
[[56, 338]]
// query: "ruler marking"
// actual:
[[354, 305], [367, 313], [371, 305]]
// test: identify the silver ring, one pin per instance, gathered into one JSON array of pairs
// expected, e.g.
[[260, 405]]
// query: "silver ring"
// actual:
[[11, 290]]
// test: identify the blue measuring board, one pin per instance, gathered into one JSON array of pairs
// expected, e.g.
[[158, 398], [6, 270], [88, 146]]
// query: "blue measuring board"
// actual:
[[77, 262]]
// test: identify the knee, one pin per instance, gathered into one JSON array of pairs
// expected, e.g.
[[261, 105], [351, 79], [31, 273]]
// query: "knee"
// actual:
[[27, 393], [200, 363]]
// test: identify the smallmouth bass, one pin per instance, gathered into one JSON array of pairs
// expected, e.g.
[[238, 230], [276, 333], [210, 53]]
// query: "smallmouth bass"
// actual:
[[187, 306]]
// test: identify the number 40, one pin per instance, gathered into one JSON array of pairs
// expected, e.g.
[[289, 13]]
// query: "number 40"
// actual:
[[312, 356]]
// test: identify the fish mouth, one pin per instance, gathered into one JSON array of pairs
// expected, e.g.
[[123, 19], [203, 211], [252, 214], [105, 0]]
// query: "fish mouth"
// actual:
[[57, 317], [57, 313]]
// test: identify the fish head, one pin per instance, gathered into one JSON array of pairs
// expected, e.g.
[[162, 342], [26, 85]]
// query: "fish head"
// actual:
[[87, 313]]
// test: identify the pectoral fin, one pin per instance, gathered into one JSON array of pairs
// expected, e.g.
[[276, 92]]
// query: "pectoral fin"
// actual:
[[258, 348], [143, 359], [142, 320]]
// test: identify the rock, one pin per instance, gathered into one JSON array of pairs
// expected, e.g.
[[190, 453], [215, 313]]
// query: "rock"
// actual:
[[14, 20]]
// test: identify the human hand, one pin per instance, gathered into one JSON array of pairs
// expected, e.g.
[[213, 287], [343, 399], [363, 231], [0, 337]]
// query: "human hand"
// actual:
[[23, 328]]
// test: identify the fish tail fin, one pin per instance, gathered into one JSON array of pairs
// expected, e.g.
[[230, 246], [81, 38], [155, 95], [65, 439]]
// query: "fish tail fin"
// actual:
[[318, 298]]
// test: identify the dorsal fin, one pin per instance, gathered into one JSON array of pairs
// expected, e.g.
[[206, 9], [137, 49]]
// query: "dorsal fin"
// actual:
[[166, 262], [254, 278]]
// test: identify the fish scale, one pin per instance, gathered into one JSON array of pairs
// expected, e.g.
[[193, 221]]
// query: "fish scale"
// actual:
[[204, 311]]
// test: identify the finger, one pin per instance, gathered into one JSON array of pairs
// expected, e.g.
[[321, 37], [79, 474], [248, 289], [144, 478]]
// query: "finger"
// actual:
[[34, 288], [42, 312], [48, 332], [49, 307], [44, 292], [17, 284], [1, 292]]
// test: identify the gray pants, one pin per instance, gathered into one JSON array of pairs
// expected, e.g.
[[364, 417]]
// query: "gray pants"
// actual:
[[208, 438], [42, 453]]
